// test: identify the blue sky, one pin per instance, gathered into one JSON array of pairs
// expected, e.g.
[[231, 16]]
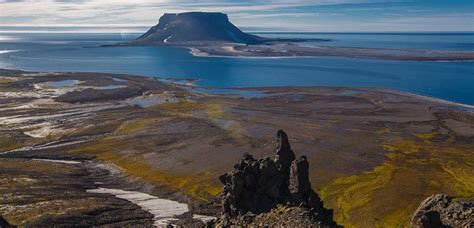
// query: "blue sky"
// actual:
[[282, 15]]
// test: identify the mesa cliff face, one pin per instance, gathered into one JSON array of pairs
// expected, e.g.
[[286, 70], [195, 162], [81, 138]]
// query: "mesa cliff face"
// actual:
[[195, 27], [272, 192]]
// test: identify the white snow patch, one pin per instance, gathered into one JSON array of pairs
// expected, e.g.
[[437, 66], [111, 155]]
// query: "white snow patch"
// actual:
[[54, 144], [42, 132], [72, 112], [43, 129], [110, 167], [39, 74], [166, 40], [36, 104], [163, 210], [58, 161], [21, 95], [7, 51], [198, 53], [204, 218]]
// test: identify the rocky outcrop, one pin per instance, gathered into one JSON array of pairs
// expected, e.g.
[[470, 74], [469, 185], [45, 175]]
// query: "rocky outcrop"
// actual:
[[257, 187], [441, 211], [195, 27]]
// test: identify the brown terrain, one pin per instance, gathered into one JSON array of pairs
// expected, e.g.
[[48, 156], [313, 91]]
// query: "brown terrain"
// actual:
[[373, 154], [284, 49]]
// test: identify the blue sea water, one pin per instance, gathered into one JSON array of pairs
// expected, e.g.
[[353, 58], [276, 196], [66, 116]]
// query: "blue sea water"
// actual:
[[453, 81], [430, 41]]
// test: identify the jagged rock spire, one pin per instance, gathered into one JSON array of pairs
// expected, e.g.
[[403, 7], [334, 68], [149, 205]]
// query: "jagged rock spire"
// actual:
[[258, 186], [284, 154]]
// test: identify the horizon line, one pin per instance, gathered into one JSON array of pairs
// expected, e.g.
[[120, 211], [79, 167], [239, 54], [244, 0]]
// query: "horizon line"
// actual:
[[245, 30]]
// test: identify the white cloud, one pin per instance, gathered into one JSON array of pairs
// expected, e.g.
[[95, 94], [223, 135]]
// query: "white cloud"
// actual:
[[48, 12], [256, 13]]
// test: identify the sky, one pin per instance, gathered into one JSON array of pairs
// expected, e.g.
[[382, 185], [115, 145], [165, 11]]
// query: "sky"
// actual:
[[250, 15]]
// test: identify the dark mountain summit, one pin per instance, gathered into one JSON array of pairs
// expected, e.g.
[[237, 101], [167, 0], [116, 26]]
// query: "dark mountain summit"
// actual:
[[196, 27]]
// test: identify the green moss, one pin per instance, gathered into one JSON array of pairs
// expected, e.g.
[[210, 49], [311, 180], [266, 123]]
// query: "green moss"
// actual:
[[184, 107], [274, 213], [354, 193], [8, 144], [133, 126], [7, 80], [426, 136], [201, 186], [388, 195]]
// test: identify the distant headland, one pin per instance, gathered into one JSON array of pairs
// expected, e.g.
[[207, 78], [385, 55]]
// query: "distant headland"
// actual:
[[200, 28], [196, 27], [213, 35]]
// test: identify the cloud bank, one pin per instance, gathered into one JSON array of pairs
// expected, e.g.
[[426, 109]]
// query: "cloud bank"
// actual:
[[284, 15]]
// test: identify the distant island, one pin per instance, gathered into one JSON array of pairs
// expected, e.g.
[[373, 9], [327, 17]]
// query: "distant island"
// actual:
[[196, 27], [213, 35]]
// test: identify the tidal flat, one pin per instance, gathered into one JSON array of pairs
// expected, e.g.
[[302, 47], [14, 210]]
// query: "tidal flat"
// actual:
[[375, 154]]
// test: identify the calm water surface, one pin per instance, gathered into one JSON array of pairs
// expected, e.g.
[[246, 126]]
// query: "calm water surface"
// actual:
[[452, 81]]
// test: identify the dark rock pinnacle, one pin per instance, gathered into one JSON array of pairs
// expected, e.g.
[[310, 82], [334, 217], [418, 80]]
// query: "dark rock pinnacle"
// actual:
[[258, 186]]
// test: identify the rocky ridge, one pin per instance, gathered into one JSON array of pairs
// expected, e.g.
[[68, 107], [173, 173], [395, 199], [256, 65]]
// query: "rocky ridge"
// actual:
[[442, 211], [265, 192]]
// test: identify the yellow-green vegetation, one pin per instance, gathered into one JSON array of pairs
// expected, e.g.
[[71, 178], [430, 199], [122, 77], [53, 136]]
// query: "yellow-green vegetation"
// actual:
[[216, 114], [17, 189], [280, 209], [133, 126], [8, 144], [184, 107], [202, 186], [388, 195], [27, 213], [6, 80]]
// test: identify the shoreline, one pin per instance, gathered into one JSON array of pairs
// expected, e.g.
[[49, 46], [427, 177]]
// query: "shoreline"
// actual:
[[198, 53], [191, 81], [293, 50]]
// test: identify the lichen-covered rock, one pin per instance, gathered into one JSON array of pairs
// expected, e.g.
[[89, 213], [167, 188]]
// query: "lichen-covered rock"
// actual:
[[253, 186], [441, 211], [299, 187], [256, 187]]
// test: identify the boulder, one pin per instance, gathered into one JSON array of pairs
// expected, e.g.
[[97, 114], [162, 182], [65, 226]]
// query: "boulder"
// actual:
[[300, 187], [284, 155], [441, 211]]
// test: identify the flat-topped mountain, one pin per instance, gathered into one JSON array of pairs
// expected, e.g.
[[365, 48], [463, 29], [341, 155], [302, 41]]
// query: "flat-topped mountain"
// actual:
[[196, 27]]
